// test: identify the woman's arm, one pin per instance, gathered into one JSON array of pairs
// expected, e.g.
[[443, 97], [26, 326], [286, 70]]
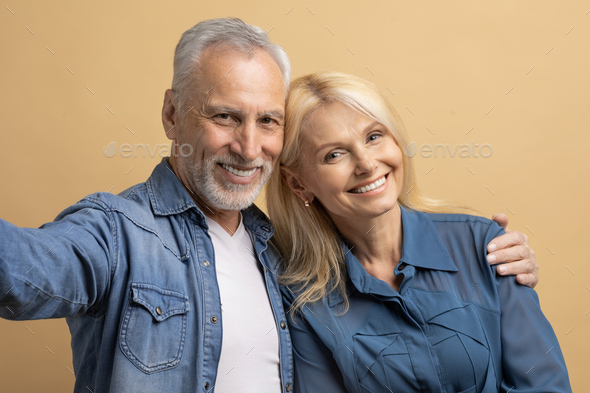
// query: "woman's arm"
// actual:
[[315, 367], [531, 357]]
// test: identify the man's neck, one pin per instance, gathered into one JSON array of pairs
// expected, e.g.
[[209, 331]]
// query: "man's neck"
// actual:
[[228, 219]]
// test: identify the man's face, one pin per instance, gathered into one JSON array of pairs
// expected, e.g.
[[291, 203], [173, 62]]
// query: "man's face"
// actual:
[[235, 127]]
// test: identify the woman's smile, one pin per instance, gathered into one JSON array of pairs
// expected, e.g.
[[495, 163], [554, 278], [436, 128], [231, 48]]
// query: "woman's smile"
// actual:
[[372, 188]]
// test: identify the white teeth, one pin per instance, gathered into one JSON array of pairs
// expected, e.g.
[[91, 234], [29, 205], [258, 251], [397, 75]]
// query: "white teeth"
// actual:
[[238, 172], [372, 186]]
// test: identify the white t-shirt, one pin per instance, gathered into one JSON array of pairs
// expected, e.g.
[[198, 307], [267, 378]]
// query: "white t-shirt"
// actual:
[[250, 348]]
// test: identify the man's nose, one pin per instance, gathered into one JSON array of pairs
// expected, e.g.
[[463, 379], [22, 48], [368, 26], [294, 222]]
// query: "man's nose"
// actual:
[[247, 142]]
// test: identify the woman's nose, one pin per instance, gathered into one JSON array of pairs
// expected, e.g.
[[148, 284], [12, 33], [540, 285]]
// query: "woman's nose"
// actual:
[[365, 164]]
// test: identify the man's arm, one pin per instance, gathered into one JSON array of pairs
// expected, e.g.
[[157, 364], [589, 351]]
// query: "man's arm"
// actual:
[[61, 269], [513, 252]]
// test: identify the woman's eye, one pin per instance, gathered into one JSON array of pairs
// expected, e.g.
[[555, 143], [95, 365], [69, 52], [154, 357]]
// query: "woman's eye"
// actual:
[[331, 156], [266, 120], [374, 137]]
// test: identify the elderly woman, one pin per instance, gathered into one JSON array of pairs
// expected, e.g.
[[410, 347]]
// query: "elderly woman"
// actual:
[[388, 290]]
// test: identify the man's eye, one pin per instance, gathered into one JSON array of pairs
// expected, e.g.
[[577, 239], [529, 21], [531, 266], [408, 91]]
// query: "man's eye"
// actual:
[[223, 116]]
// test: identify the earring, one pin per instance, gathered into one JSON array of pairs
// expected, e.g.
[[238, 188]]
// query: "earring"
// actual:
[[306, 203]]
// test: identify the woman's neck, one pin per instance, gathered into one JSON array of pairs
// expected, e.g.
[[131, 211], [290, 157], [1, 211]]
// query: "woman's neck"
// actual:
[[377, 243]]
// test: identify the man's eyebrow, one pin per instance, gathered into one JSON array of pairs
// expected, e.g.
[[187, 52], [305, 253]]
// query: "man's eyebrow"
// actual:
[[223, 109], [213, 109], [277, 114]]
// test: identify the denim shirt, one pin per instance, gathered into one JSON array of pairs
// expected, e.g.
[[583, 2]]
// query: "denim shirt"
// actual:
[[453, 326], [134, 275]]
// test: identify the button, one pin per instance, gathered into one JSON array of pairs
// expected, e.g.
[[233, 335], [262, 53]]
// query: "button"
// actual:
[[214, 319], [206, 385], [206, 263], [158, 311], [283, 325], [288, 387]]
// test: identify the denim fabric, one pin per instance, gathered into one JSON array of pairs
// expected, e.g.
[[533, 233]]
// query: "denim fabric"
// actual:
[[454, 325], [134, 274]]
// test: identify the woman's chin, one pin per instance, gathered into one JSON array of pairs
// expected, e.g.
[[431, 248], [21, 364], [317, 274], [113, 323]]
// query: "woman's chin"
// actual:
[[372, 212]]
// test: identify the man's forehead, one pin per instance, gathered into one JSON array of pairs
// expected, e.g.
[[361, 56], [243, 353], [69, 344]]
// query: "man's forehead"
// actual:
[[240, 83], [220, 61]]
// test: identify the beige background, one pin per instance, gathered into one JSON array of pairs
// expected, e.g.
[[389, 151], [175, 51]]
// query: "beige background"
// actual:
[[446, 64]]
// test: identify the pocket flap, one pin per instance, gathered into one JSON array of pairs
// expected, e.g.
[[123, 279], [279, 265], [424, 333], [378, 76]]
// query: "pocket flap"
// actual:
[[161, 303], [463, 320]]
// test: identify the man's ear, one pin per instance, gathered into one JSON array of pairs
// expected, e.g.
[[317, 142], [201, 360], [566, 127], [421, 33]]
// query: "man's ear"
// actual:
[[294, 183], [169, 114]]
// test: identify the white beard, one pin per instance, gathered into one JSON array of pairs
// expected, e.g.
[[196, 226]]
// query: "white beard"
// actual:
[[221, 193]]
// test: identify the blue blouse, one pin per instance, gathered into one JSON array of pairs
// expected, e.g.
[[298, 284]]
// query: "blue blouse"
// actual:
[[454, 325]]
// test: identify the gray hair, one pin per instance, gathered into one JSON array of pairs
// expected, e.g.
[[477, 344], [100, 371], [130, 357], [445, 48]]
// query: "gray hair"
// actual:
[[232, 32]]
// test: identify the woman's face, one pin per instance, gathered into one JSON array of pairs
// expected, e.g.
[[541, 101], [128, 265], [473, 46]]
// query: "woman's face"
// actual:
[[350, 163]]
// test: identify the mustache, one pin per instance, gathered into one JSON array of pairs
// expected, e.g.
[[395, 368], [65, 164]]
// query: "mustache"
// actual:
[[239, 161]]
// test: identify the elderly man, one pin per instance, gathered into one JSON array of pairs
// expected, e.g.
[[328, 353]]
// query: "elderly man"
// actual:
[[152, 281]]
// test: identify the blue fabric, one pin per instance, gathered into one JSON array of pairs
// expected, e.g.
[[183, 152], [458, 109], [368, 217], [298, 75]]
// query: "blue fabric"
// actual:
[[128, 272], [454, 326]]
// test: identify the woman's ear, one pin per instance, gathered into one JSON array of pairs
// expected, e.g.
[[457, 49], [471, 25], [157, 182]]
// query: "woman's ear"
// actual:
[[293, 181]]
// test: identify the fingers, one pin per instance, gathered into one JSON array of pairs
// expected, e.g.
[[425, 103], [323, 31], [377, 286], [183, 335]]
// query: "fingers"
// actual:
[[501, 219], [510, 239], [517, 258], [530, 280], [512, 254], [526, 273]]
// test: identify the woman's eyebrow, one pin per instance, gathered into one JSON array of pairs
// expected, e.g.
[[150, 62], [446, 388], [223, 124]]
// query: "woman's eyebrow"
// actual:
[[365, 130], [327, 144], [372, 125]]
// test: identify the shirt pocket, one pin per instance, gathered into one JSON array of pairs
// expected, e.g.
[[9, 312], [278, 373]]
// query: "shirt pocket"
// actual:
[[153, 332], [383, 363], [460, 344]]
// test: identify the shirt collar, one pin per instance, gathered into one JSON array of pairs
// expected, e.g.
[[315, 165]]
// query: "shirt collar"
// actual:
[[166, 192], [422, 247]]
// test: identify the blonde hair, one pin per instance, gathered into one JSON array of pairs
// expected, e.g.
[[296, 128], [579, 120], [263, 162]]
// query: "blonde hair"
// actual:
[[306, 237]]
